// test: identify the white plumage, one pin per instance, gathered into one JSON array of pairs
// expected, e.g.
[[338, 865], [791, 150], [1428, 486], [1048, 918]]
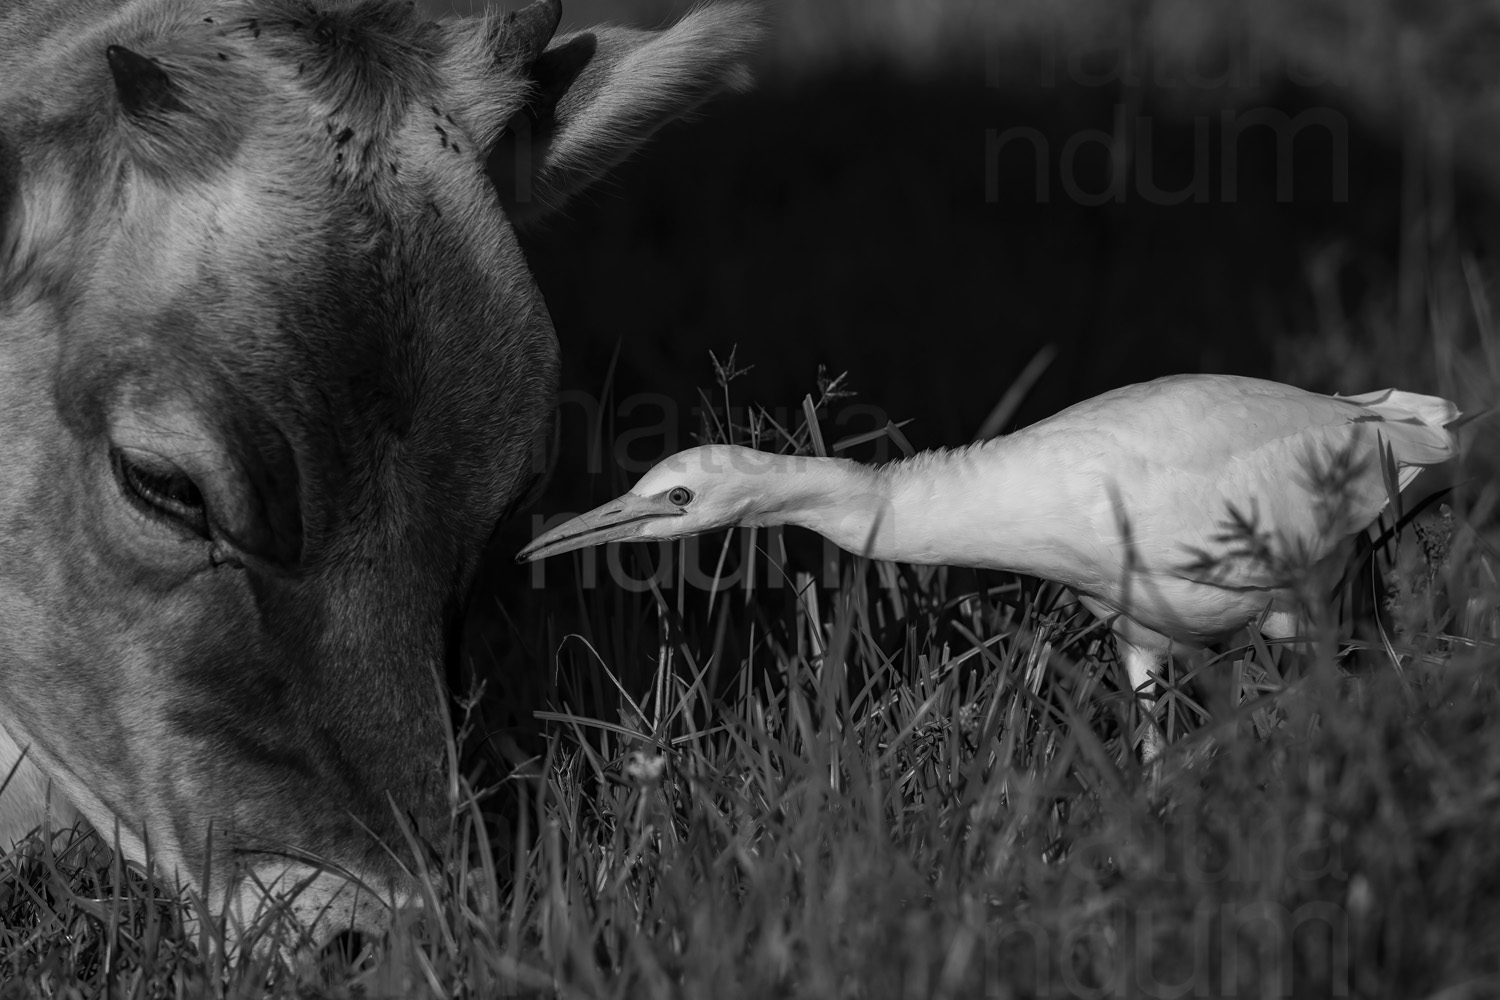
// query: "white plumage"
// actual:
[[1124, 498]]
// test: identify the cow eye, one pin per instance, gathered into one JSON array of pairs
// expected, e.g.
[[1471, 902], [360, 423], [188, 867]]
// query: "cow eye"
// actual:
[[680, 495], [161, 489]]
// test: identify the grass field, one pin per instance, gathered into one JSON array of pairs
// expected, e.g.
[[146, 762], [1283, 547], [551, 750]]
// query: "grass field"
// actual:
[[751, 767], [874, 780]]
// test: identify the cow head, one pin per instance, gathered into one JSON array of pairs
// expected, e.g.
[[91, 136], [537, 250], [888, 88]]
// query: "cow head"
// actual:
[[271, 368]]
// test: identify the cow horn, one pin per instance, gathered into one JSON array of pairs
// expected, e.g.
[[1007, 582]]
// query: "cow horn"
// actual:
[[524, 33], [143, 85]]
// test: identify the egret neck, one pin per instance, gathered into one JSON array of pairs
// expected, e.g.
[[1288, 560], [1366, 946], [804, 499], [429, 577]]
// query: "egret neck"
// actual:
[[996, 505]]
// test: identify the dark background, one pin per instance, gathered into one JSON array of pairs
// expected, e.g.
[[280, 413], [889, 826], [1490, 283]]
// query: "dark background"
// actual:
[[847, 213]]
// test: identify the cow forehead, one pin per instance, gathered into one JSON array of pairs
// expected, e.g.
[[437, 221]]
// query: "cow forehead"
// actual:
[[378, 332]]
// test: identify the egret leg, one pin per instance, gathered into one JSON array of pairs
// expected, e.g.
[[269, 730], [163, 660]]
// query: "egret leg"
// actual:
[[1143, 651], [1139, 663], [1281, 625]]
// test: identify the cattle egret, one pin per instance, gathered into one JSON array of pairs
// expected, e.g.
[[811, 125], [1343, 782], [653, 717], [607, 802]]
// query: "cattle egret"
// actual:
[[1123, 498]]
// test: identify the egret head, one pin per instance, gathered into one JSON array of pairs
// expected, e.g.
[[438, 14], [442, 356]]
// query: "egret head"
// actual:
[[700, 489]]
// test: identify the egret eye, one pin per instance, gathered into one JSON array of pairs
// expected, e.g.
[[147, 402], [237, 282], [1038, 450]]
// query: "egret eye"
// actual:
[[159, 488], [680, 495]]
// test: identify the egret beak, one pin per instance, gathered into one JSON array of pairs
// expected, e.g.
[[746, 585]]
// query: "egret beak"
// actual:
[[616, 521]]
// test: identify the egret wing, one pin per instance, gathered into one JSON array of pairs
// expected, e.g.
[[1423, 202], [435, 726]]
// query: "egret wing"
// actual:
[[1240, 480]]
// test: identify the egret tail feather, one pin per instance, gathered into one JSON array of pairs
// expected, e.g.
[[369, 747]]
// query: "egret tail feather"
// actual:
[[1416, 427]]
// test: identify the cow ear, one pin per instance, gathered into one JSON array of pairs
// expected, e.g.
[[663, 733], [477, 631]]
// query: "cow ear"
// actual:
[[598, 95]]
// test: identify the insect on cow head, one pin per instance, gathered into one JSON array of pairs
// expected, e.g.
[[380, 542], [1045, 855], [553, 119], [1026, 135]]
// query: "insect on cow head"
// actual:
[[271, 367]]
